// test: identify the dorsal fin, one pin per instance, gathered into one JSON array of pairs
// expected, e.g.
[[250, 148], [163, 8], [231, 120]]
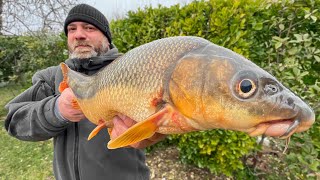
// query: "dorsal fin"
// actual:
[[81, 84]]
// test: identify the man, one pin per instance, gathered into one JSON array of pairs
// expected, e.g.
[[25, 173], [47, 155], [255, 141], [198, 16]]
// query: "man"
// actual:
[[41, 112]]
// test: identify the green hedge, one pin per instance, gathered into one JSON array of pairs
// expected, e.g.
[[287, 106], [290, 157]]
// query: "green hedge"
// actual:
[[21, 56], [282, 37]]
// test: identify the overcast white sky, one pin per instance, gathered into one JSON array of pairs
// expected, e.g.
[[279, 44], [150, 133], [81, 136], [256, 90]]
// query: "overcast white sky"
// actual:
[[112, 9], [118, 8]]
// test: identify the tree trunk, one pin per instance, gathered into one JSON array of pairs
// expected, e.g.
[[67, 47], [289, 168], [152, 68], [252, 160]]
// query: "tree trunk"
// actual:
[[1, 7]]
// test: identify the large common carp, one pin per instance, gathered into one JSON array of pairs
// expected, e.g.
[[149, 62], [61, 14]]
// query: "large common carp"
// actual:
[[183, 84]]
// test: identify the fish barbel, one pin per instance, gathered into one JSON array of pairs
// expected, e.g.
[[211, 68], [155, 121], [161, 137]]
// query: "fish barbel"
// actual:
[[181, 84]]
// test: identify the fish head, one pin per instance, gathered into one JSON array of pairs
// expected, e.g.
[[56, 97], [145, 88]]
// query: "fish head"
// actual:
[[272, 109], [225, 90]]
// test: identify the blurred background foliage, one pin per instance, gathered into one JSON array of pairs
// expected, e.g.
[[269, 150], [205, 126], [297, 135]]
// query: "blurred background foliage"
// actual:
[[22, 56], [280, 36]]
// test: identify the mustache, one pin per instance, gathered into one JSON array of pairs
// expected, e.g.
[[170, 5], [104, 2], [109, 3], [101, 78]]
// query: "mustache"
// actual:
[[80, 43]]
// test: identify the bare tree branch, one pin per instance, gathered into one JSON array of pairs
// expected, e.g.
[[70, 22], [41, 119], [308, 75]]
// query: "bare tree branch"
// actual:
[[33, 16]]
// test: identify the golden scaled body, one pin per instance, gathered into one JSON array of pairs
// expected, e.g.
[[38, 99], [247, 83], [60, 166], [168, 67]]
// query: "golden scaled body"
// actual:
[[134, 84], [183, 84]]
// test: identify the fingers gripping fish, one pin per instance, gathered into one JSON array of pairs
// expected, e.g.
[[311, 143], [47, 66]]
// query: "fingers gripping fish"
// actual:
[[182, 84]]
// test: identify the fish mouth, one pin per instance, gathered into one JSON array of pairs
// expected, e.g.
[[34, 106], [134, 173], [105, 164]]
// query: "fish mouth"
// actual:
[[283, 128]]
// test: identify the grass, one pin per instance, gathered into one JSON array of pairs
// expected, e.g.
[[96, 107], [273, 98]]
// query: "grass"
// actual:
[[21, 159]]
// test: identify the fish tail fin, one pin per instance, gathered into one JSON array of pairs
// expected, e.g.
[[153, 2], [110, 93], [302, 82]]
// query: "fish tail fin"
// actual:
[[80, 84], [64, 84]]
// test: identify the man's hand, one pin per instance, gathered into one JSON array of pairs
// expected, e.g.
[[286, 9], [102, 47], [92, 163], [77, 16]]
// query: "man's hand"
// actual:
[[122, 123], [65, 107]]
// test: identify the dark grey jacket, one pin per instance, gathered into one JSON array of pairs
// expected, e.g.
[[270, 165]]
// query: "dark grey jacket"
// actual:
[[31, 117]]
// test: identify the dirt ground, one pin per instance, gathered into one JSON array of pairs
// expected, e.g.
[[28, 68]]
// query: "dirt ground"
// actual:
[[164, 164]]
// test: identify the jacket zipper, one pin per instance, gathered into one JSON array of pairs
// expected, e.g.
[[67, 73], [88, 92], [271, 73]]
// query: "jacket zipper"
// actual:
[[76, 142], [76, 152]]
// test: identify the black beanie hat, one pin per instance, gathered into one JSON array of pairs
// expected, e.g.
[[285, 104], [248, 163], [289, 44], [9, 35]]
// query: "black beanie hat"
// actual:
[[91, 15]]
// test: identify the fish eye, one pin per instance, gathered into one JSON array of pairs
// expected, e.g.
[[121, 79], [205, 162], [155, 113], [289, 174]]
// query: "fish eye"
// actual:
[[246, 88]]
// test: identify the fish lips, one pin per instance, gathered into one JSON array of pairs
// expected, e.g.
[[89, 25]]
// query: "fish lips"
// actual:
[[283, 128], [276, 128]]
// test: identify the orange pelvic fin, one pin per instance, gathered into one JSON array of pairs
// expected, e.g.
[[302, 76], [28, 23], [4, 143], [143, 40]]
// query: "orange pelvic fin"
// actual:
[[97, 129], [64, 85], [110, 131], [142, 130]]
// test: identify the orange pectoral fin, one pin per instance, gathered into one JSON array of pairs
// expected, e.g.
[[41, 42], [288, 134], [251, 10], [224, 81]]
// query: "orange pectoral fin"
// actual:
[[142, 130], [96, 130]]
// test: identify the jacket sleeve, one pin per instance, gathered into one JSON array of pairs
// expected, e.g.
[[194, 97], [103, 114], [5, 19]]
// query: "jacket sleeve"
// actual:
[[31, 115]]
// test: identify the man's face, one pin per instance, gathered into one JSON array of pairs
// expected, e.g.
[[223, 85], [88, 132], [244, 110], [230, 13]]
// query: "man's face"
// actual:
[[85, 41]]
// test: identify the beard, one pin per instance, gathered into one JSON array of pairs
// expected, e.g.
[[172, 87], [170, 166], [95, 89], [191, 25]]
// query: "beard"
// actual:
[[87, 49]]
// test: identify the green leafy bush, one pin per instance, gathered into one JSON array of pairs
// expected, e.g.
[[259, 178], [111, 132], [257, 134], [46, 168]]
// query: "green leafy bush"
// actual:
[[22, 56], [219, 151], [9, 55]]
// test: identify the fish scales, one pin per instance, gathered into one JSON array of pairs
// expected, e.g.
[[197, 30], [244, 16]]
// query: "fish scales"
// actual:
[[138, 73]]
